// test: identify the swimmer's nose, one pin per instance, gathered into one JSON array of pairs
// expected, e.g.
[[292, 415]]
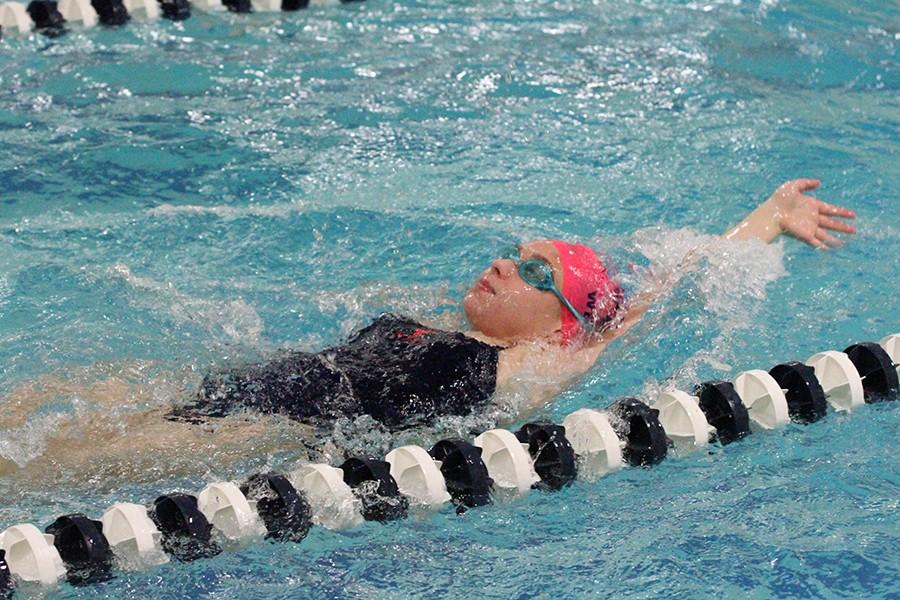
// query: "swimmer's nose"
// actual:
[[503, 267]]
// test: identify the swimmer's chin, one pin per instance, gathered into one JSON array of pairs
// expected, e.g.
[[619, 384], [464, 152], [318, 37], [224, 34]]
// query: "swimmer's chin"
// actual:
[[475, 311]]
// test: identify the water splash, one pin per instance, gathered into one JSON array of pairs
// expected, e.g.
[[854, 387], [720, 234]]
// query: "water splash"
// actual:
[[725, 279], [228, 322]]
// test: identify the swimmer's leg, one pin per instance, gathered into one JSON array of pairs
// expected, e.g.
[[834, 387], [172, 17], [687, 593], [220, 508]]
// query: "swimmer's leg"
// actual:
[[144, 447], [102, 385], [77, 428]]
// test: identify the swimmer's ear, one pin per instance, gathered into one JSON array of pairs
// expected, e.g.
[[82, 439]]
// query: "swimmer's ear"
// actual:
[[557, 336]]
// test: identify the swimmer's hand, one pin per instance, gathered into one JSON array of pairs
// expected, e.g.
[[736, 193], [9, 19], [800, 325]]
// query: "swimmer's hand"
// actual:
[[789, 211], [807, 218]]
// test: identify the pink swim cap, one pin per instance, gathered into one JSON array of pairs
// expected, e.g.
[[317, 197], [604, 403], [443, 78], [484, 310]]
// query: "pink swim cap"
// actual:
[[588, 286]]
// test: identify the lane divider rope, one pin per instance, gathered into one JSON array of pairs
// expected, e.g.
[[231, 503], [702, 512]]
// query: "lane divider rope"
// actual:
[[51, 17], [499, 465]]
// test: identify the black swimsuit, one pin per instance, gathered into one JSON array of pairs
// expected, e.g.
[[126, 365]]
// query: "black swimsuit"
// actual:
[[395, 370]]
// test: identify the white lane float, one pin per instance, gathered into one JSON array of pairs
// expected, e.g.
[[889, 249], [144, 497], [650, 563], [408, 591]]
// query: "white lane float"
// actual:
[[764, 399], [14, 18], [507, 460], [839, 380], [209, 5], [595, 442], [891, 345], [333, 503], [31, 555], [266, 5], [78, 11], [418, 476], [133, 537], [684, 422], [142, 9], [229, 511]]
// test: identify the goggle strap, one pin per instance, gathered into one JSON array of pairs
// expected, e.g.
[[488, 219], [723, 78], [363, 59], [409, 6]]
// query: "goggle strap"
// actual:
[[568, 305]]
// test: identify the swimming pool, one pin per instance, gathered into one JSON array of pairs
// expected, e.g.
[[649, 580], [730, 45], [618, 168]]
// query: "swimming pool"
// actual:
[[175, 195]]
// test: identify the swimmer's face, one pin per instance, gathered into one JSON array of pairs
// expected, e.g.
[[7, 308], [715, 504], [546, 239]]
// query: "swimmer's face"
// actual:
[[502, 306]]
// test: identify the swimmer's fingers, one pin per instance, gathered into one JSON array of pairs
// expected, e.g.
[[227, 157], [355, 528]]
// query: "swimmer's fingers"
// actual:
[[830, 210], [828, 239], [803, 185], [813, 240], [836, 225], [804, 232]]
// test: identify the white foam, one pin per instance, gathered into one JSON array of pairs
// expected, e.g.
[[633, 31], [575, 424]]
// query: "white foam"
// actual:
[[5, 288], [235, 320], [728, 278], [357, 305], [23, 444], [229, 212]]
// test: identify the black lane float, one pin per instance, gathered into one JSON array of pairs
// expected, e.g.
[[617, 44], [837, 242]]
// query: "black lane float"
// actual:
[[83, 548], [371, 481], [466, 475], [724, 410], [551, 452], [284, 511], [638, 424], [46, 18], [7, 584], [805, 396], [876, 369], [186, 534]]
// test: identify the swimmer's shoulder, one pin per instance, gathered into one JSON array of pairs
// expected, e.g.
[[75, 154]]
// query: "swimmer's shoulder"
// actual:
[[485, 339]]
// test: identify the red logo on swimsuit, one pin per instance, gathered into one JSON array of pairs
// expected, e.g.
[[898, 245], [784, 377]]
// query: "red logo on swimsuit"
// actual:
[[417, 333]]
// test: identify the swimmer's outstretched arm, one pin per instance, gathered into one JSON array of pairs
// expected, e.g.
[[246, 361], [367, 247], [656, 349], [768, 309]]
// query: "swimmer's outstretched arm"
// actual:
[[787, 210]]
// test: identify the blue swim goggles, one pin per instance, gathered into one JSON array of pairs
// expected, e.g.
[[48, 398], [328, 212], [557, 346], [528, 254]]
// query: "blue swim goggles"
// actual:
[[538, 273]]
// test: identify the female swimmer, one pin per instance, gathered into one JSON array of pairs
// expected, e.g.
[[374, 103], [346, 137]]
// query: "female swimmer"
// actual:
[[545, 294], [540, 317]]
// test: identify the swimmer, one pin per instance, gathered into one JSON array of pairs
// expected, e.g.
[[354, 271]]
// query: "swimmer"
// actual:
[[542, 312], [539, 297]]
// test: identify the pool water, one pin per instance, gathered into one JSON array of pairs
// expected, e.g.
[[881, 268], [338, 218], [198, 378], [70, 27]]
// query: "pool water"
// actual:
[[179, 195]]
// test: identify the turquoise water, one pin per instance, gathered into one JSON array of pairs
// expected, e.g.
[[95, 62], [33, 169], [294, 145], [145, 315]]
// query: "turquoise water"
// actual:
[[179, 195]]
